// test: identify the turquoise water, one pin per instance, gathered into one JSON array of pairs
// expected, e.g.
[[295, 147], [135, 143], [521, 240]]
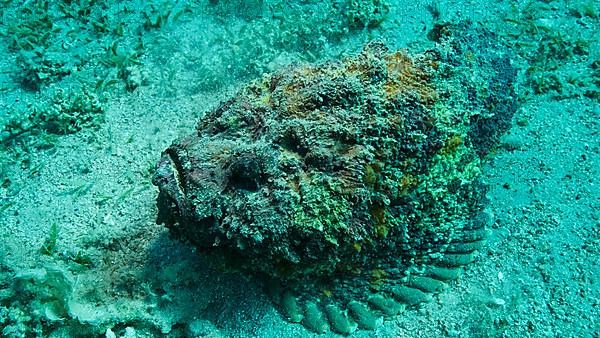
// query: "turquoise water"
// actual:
[[91, 93]]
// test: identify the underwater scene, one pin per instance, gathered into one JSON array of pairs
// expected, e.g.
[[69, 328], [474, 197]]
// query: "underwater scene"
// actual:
[[300, 168]]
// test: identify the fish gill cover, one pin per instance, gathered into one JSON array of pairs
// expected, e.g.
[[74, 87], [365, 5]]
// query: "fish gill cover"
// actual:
[[353, 189]]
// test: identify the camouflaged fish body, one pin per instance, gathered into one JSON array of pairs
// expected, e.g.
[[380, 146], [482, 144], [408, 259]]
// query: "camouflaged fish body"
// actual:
[[352, 188]]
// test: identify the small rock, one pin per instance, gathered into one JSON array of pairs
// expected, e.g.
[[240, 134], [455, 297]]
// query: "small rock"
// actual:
[[496, 302], [512, 142]]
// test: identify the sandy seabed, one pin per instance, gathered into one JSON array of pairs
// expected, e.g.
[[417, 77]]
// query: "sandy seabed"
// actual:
[[539, 275]]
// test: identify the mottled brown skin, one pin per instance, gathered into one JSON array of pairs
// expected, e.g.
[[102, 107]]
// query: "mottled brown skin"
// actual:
[[342, 180]]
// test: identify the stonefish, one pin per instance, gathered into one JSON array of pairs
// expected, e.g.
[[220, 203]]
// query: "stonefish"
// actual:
[[353, 189]]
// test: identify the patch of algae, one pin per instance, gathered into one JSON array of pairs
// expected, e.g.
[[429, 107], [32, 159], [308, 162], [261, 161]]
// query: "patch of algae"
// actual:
[[353, 188]]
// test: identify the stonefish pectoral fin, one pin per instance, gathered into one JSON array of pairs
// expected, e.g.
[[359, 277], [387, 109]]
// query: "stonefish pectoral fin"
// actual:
[[352, 188]]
